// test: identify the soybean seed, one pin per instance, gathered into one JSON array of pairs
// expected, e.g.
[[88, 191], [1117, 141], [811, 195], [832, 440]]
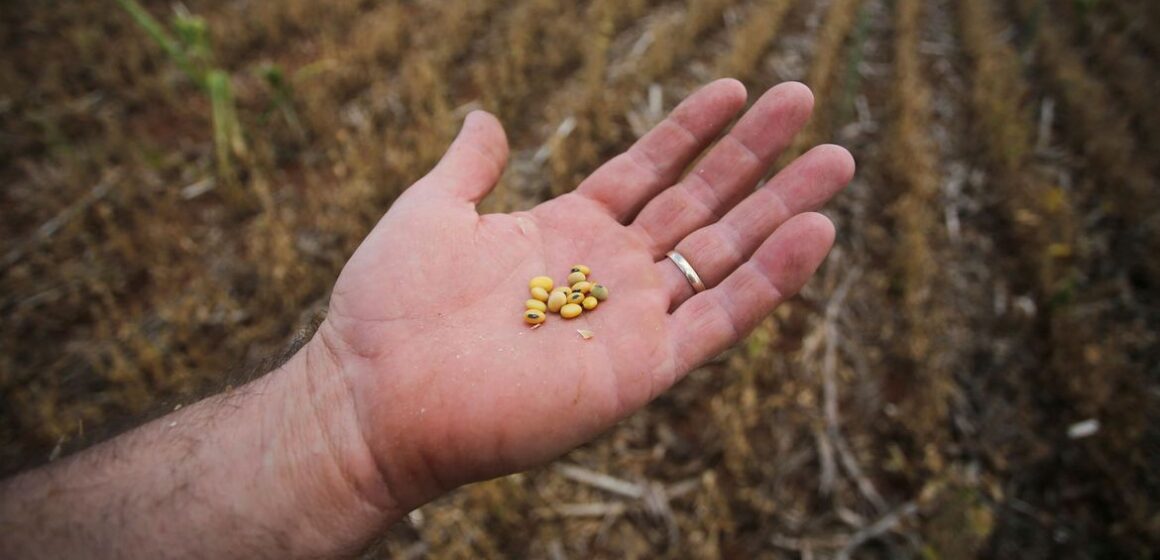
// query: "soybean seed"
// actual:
[[576, 297], [534, 316], [557, 300], [576, 277], [541, 282], [599, 291], [584, 287], [536, 304], [540, 293], [589, 303], [571, 311], [563, 289], [581, 269]]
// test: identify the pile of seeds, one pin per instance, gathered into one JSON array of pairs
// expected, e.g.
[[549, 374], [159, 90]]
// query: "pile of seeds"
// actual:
[[569, 300]]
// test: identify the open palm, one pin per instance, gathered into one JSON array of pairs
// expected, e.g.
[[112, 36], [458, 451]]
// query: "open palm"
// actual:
[[449, 384]]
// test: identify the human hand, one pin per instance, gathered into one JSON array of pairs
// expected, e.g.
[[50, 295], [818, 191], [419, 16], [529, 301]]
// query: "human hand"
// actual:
[[447, 383]]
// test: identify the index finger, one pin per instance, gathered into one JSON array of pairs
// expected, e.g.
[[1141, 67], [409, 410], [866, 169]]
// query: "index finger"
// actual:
[[625, 183]]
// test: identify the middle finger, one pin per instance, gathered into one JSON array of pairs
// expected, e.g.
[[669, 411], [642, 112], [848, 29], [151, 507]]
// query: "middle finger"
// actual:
[[729, 170]]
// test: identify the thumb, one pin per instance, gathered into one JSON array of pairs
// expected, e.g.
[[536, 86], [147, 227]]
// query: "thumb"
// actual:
[[476, 159]]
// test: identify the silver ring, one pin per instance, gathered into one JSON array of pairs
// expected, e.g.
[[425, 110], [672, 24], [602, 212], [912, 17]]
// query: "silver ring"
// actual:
[[687, 269]]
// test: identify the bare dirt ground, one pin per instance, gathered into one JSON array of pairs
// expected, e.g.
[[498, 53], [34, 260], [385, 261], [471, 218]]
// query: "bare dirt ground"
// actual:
[[973, 373]]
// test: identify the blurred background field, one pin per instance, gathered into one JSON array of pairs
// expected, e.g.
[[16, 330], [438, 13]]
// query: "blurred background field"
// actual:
[[973, 373]]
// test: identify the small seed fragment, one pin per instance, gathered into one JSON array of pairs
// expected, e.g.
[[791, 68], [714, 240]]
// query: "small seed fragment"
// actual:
[[536, 304], [534, 316], [589, 303], [584, 287], [599, 291], [581, 269], [557, 300], [576, 277], [585, 333], [571, 311], [541, 282], [575, 297], [540, 293]]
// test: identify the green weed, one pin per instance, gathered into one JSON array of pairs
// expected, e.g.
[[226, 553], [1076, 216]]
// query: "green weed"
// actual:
[[192, 53]]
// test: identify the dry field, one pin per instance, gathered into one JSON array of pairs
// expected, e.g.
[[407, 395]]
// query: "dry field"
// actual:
[[171, 221]]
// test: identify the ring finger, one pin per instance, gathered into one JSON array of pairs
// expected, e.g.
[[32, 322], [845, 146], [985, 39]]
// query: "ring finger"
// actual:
[[716, 250]]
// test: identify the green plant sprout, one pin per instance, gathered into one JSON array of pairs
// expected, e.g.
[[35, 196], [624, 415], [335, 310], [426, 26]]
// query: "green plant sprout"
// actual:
[[191, 52], [282, 92]]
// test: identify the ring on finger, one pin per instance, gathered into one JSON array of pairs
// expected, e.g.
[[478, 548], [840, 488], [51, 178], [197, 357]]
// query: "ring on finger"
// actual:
[[687, 269]]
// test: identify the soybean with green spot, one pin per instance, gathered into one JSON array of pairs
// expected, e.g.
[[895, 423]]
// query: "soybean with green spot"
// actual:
[[599, 291]]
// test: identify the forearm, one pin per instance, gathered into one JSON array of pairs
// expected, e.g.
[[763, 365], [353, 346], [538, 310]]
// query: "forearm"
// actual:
[[275, 468]]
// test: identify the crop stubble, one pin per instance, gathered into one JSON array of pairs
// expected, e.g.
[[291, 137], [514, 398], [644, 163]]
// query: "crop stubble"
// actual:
[[150, 283]]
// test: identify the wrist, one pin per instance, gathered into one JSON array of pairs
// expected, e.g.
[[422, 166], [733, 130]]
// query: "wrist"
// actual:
[[275, 468], [387, 411], [327, 460]]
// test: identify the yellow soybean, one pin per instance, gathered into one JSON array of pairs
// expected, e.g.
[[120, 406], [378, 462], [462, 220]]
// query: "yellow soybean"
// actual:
[[557, 300], [541, 282], [571, 311], [569, 299]]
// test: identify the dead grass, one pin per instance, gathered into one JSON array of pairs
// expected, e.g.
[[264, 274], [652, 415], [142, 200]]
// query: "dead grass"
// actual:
[[1100, 383], [752, 39], [1098, 128], [1115, 59], [914, 169], [598, 113], [840, 19], [1139, 17], [908, 403]]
